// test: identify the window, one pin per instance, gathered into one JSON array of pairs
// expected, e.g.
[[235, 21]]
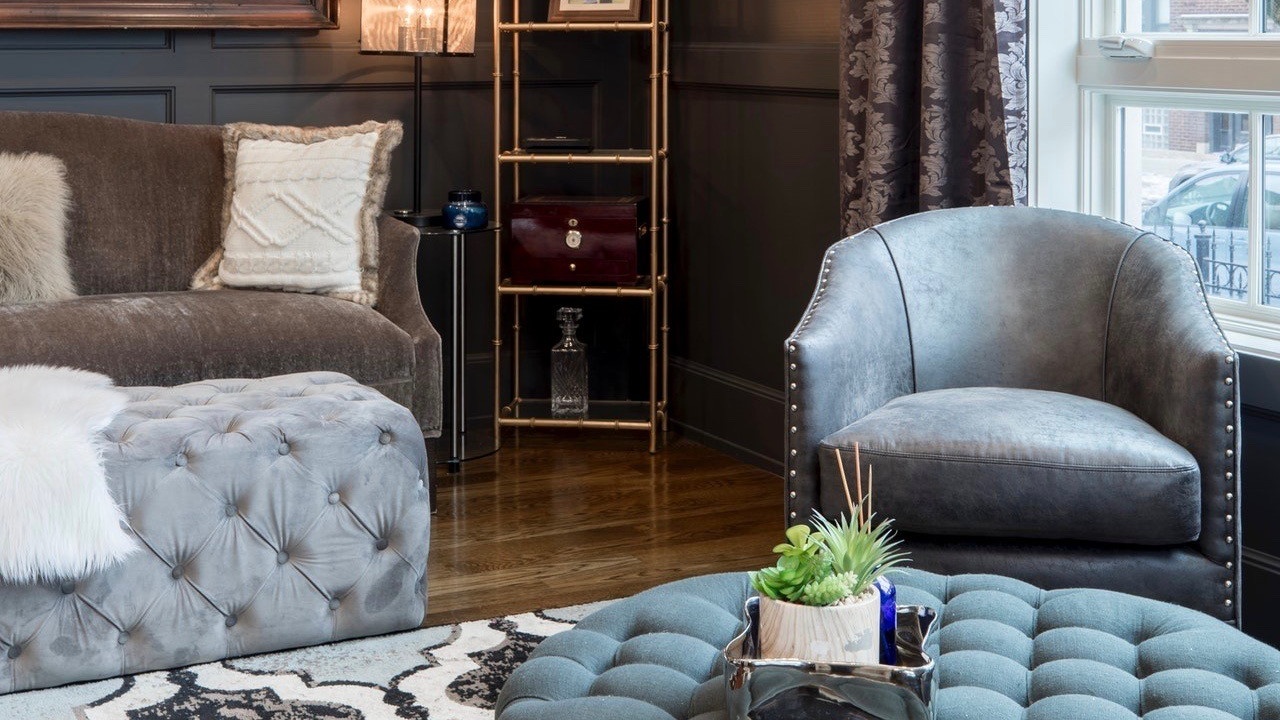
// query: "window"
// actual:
[[1184, 143]]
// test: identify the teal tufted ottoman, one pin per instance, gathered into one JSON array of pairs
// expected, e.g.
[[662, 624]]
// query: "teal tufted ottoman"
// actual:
[[1006, 651]]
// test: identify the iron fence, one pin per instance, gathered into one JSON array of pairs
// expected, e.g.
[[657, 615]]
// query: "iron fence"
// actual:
[[1223, 256]]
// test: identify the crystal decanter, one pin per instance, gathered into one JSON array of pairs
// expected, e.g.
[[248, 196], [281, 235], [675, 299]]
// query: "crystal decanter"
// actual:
[[569, 369]]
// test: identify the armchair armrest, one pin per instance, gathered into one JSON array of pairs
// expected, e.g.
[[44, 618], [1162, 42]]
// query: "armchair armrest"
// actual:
[[850, 354], [1168, 362], [398, 301]]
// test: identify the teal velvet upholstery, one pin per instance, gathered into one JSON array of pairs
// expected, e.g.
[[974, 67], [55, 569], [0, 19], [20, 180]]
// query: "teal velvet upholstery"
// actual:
[[1006, 651]]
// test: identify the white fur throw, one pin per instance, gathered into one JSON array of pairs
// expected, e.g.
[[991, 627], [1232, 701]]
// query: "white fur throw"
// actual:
[[34, 200], [301, 209], [57, 518]]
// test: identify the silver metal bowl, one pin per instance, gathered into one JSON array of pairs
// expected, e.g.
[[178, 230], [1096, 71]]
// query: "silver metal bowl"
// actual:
[[760, 689]]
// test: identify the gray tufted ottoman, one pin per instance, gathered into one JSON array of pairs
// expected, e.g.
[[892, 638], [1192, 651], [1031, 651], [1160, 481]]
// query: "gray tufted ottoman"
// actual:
[[273, 514], [1007, 651]]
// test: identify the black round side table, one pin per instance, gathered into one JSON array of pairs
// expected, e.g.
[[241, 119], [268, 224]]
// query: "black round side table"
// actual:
[[458, 404]]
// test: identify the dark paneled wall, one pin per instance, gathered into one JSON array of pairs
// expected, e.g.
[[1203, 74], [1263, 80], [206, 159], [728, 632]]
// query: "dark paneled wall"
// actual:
[[755, 205]]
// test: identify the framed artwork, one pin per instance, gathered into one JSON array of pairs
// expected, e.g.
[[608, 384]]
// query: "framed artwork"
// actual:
[[168, 14], [594, 11]]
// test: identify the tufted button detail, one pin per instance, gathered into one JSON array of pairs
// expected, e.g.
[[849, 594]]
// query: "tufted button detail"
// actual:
[[282, 557], [334, 604], [123, 638], [67, 587], [382, 544], [176, 572], [231, 621], [230, 510], [334, 498], [283, 449], [385, 438], [14, 651], [180, 460]]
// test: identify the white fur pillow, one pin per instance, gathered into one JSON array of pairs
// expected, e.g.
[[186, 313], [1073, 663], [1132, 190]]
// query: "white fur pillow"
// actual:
[[301, 209], [57, 517], [34, 200]]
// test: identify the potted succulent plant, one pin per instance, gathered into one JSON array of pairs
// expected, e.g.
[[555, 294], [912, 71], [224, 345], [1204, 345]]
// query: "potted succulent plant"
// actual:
[[820, 601]]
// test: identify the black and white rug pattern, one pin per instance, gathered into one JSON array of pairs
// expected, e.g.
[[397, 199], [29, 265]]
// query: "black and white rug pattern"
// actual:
[[451, 672]]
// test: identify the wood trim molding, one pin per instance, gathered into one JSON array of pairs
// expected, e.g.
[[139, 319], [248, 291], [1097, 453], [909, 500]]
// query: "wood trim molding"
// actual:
[[169, 14]]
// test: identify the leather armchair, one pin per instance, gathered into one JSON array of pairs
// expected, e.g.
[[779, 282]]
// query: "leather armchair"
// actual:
[[1042, 394]]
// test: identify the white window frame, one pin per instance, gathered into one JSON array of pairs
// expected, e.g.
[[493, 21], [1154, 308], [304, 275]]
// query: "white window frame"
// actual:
[[1075, 93]]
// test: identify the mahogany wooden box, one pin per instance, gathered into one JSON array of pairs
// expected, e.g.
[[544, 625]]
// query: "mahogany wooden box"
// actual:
[[578, 240]]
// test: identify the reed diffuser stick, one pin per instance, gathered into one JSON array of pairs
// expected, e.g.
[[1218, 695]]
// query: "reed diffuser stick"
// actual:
[[857, 476], [871, 478], [844, 480]]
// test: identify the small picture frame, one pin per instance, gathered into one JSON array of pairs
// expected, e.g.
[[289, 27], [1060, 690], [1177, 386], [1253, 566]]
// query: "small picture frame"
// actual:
[[594, 11]]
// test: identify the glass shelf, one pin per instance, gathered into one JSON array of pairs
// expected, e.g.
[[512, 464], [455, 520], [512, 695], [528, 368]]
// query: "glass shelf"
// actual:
[[578, 27], [640, 289], [602, 414], [597, 157]]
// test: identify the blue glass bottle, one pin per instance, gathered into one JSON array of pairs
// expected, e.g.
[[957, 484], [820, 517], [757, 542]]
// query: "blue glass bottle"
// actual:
[[888, 621], [465, 211]]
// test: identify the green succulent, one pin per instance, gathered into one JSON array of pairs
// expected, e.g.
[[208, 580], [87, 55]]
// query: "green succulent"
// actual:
[[862, 550], [801, 562], [829, 590], [839, 560]]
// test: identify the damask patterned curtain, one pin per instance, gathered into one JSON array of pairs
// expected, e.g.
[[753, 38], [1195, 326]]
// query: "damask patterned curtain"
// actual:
[[933, 106]]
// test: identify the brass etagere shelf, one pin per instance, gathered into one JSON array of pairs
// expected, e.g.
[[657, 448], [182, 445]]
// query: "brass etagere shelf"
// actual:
[[520, 412]]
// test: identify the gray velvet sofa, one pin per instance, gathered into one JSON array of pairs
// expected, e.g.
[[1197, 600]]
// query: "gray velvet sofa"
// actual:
[[147, 212], [1042, 394]]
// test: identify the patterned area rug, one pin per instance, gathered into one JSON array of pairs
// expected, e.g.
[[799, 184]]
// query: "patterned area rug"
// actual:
[[451, 672]]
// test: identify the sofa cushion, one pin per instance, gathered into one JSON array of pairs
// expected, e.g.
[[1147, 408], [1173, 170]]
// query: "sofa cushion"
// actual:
[[301, 209], [34, 198], [1010, 462], [180, 337]]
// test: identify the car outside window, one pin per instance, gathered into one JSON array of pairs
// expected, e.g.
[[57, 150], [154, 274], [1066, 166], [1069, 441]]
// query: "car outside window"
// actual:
[[1207, 199]]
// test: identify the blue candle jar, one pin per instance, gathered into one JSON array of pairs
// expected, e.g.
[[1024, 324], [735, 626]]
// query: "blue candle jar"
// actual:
[[465, 210]]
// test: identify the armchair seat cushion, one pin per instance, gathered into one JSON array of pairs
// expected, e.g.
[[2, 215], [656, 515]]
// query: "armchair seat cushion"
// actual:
[[1010, 462], [172, 338]]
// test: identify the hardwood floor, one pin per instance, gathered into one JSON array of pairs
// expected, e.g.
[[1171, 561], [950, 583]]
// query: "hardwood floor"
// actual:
[[561, 518]]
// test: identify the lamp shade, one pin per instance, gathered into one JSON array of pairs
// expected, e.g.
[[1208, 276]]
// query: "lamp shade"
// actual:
[[418, 27]]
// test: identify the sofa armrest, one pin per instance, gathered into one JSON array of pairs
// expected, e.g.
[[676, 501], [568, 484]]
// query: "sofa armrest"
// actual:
[[398, 301], [850, 354], [1168, 362]]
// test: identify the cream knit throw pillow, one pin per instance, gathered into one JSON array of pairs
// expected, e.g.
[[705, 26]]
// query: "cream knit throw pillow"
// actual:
[[301, 209]]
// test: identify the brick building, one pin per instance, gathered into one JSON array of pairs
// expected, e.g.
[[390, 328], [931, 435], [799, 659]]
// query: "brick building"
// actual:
[[1191, 131]]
